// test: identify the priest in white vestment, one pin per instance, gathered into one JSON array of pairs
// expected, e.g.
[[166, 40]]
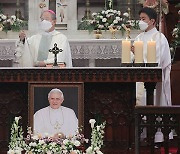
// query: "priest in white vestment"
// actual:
[[55, 119], [147, 24], [34, 51]]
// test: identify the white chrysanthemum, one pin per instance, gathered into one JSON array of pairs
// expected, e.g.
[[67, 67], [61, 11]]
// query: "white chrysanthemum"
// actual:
[[92, 122], [126, 14], [104, 19]]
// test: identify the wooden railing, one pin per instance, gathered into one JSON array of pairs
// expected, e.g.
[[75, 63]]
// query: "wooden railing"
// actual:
[[153, 118]]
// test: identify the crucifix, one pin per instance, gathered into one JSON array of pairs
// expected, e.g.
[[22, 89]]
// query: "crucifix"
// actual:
[[55, 51]]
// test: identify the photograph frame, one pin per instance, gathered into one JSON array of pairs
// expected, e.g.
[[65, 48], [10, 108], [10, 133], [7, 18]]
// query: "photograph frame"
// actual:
[[77, 87]]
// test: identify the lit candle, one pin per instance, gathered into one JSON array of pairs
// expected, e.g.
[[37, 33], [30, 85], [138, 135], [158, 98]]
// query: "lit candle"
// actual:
[[126, 49], [151, 51], [138, 51]]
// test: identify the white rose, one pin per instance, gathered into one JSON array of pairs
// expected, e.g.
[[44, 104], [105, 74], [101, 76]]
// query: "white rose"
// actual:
[[175, 30], [77, 143], [119, 13], [13, 17], [92, 122], [94, 14], [10, 151], [65, 141], [118, 18], [101, 17], [115, 21], [107, 12], [103, 12], [126, 14], [115, 11], [3, 17], [41, 142], [108, 15], [104, 19]]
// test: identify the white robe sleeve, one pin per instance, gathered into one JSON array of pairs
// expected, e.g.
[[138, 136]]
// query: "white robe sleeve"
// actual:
[[66, 54], [23, 54]]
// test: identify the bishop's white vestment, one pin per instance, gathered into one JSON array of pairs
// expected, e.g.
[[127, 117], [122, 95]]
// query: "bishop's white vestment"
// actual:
[[163, 58], [36, 48], [52, 121]]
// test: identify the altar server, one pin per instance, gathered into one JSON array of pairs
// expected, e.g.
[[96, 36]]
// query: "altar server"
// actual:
[[147, 24], [34, 51], [163, 58], [55, 119]]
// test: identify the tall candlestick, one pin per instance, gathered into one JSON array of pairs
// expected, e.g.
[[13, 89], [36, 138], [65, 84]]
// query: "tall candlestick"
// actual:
[[138, 51], [151, 51], [126, 49]]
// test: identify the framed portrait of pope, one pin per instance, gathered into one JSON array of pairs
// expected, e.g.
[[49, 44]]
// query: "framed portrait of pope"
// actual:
[[56, 108]]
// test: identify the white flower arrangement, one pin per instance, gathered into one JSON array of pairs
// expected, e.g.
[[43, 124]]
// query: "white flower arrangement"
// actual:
[[11, 23], [176, 38], [108, 18], [60, 144]]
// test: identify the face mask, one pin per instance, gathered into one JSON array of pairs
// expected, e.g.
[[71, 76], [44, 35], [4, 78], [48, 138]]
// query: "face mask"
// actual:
[[143, 25], [45, 25]]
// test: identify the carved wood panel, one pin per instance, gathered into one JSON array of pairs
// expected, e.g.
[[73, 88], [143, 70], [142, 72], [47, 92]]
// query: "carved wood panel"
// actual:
[[113, 103], [13, 102]]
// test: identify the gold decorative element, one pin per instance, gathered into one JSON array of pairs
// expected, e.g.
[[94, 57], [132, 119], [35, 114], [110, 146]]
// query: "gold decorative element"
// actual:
[[128, 31], [113, 30], [98, 34]]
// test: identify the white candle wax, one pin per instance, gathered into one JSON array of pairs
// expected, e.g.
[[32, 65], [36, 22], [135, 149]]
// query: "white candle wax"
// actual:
[[151, 51], [126, 49], [138, 51]]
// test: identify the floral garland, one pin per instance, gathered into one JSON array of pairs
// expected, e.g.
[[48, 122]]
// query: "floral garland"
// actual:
[[60, 144]]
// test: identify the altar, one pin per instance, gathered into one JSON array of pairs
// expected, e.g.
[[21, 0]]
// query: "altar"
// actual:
[[108, 94], [85, 52]]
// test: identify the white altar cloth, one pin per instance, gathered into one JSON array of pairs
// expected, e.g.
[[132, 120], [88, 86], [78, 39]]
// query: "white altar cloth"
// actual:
[[90, 49]]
